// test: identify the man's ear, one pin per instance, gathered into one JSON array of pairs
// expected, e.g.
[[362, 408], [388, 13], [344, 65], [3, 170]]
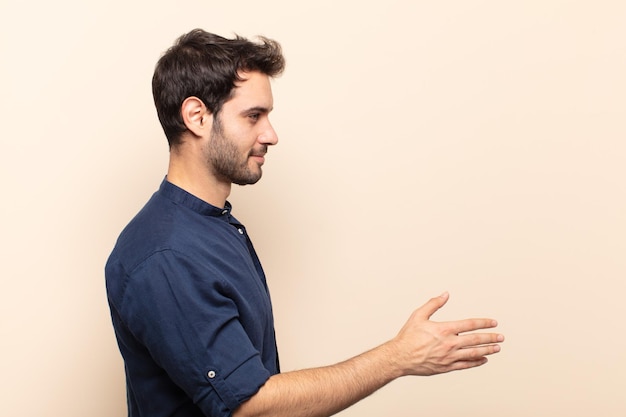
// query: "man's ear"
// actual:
[[196, 116]]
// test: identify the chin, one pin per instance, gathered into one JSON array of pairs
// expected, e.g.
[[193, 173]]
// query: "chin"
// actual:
[[247, 181]]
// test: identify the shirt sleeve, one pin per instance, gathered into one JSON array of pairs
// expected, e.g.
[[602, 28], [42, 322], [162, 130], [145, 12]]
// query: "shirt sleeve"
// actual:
[[186, 315]]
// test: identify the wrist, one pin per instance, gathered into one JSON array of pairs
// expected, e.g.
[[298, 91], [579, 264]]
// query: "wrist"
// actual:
[[391, 360]]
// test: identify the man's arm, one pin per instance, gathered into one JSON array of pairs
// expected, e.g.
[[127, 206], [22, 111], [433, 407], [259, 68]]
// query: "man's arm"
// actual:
[[422, 347]]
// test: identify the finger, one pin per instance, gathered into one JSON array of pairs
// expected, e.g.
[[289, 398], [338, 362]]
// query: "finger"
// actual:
[[456, 366], [432, 305], [478, 339], [475, 353], [468, 325]]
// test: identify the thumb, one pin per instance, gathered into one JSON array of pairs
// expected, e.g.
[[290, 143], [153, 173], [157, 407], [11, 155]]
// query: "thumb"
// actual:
[[432, 305]]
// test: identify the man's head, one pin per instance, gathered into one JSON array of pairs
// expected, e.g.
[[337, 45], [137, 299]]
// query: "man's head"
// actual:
[[207, 66]]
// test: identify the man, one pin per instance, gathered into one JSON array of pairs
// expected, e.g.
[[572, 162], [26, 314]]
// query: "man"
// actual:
[[188, 296]]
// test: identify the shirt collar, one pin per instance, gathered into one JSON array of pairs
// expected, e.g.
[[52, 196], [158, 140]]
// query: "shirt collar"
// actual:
[[179, 196]]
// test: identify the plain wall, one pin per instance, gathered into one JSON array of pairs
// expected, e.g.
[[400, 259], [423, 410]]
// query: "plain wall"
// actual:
[[471, 146]]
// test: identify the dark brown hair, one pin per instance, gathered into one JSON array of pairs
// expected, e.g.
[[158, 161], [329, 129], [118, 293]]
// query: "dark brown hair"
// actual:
[[205, 65]]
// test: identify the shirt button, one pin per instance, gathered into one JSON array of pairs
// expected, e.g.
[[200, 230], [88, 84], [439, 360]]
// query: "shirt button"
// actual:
[[240, 231], [224, 211], [211, 374]]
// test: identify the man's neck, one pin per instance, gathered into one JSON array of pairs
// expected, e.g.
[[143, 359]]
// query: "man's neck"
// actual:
[[195, 179]]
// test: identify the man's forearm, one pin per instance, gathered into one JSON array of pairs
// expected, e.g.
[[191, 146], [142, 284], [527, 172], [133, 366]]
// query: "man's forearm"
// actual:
[[323, 391]]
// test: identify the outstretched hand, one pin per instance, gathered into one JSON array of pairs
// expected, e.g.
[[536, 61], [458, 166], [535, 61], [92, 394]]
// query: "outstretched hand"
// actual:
[[425, 347]]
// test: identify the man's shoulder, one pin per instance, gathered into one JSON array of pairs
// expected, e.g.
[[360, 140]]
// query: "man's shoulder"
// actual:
[[151, 230], [164, 225]]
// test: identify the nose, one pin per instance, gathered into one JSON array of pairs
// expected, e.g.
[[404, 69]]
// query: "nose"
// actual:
[[269, 136]]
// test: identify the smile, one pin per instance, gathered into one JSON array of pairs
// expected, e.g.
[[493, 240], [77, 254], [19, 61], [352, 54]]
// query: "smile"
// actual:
[[260, 158]]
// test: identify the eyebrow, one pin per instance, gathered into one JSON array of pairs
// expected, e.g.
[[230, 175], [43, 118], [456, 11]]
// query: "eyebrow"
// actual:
[[256, 109]]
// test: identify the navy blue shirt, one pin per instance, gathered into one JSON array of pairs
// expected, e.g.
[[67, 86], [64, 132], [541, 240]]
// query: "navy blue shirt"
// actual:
[[190, 308]]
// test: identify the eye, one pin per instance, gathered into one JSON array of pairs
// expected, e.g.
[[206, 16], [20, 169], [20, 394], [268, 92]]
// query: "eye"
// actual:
[[254, 116]]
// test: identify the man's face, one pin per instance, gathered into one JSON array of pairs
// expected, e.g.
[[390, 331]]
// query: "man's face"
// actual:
[[242, 132]]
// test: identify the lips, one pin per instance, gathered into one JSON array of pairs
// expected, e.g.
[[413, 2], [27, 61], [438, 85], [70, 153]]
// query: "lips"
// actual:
[[258, 157]]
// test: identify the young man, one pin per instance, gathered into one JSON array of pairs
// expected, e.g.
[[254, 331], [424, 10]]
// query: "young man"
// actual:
[[188, 296]]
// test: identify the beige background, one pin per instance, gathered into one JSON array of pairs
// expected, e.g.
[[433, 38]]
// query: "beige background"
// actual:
[[470, 146]]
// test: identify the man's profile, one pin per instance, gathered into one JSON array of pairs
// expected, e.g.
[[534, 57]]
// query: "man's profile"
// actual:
[[188, 296]]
